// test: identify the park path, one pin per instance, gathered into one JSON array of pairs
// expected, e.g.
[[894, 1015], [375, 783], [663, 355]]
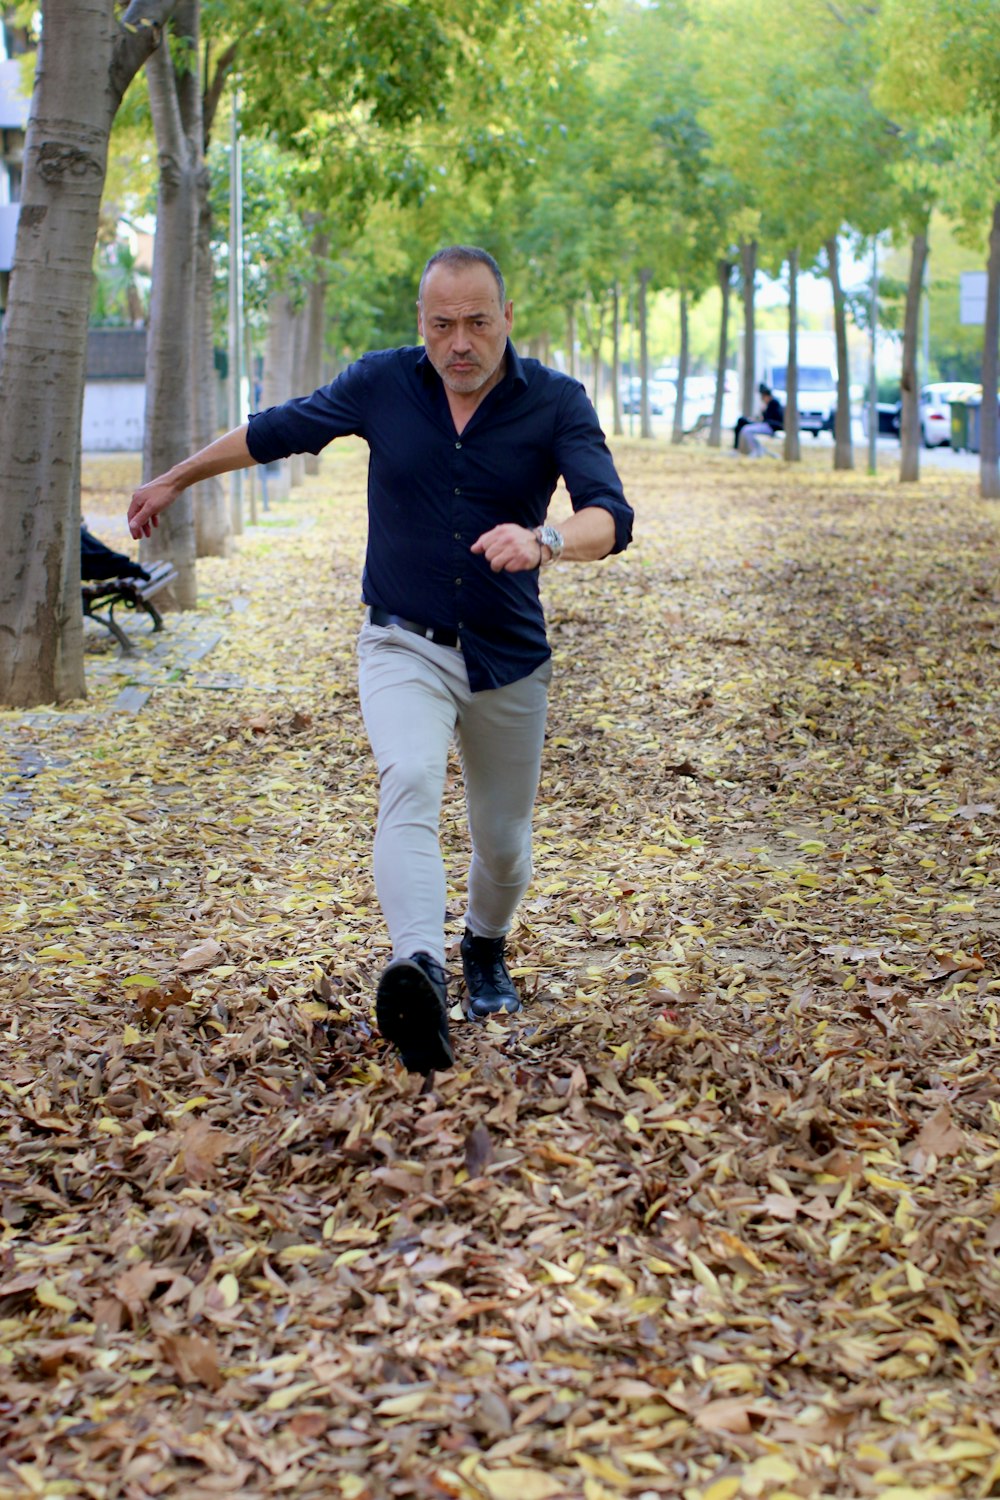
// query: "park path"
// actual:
[[717, 1215]]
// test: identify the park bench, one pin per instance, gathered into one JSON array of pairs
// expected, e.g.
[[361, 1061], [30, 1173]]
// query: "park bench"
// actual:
[[131, 593]]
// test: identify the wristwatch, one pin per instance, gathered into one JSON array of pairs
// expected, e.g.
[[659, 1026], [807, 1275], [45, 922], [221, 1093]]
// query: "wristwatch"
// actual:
[[548, 536]]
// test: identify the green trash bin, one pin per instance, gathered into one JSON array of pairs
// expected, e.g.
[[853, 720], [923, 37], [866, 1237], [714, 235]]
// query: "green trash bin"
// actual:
[[959, 425], [975, 410]]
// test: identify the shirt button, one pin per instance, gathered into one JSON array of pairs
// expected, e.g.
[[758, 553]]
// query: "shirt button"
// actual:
[[458, 445], [457, 490], [461, 624], [458, 583], [458, 536]]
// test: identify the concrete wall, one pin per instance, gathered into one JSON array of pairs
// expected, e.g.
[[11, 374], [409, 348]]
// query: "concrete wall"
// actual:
[[113, 416]]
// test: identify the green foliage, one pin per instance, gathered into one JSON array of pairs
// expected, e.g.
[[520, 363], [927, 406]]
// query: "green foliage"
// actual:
[[790, 112], [277, 240], [121, 290]]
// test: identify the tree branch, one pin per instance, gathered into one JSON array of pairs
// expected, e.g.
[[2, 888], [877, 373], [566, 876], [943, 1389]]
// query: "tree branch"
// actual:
[[140, 33], [213, 92]]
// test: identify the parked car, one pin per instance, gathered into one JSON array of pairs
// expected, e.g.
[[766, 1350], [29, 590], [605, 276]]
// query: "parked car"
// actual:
[[662, 396], [935, 409], [888, 418]]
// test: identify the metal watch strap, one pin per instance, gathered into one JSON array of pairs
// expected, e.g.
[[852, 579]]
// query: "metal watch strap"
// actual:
[[548, 536]]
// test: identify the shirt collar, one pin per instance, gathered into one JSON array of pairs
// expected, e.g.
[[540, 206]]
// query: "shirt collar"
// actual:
[[513, 375]]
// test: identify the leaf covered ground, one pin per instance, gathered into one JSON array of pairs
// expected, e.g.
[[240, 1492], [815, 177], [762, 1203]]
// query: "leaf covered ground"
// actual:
[[717, 1215]]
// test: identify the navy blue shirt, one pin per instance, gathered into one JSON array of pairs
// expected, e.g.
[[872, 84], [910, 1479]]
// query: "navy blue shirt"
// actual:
[[433, 491]]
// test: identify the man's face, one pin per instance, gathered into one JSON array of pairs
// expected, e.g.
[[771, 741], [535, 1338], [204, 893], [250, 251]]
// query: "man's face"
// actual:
[[463, 325]]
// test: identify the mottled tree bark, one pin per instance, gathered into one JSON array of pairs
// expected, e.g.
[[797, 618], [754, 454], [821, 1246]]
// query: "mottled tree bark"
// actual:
[[725, 270], [278, 379], [645, 420], [616, 360], [843, 447], [748, 278], [213, 517], [86, 61], [171, 366], [989, 475], [677, 435], [212, 511], [909, 427], [312, 363], [793, 450]]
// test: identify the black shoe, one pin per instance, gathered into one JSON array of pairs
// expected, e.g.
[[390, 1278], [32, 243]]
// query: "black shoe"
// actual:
[[411, 1008], [491, 989]]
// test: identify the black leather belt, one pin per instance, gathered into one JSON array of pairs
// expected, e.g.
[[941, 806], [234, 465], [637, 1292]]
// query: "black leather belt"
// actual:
[[429, 632]]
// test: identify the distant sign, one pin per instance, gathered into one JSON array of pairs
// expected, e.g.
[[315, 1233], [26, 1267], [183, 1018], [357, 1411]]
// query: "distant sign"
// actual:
[[972, 298]]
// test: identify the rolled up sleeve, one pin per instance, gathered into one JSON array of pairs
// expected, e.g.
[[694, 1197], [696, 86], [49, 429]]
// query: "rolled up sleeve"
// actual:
[[586, 464], [307, 423]]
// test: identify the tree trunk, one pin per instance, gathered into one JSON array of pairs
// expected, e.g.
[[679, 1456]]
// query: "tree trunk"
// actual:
[[843, 446], [571, 339], [645, 419], [677, 436], [725, 270], [312, 362], [593, 313], [616, 361], [279, 350], [297, 462], [989, 475], [86, 62], [909, 426], [793, 451], [748, 270], [175, 103], [212, 512]]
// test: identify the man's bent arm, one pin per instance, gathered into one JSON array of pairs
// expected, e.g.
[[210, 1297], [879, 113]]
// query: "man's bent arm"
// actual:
[[588, 534], [227, 453]]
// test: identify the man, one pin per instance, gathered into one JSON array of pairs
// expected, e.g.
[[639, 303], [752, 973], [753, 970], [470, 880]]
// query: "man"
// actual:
[[770, 421], [467, 442]]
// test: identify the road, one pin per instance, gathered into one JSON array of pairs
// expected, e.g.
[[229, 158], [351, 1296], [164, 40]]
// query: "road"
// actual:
[[887, 452]]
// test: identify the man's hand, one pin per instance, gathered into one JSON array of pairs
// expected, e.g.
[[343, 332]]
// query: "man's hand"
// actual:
[[147, 502], [510, 549], [227, 453]]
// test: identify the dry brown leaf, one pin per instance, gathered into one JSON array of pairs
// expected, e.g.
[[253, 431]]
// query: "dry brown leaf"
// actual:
[[193, 1357], [201, 956]]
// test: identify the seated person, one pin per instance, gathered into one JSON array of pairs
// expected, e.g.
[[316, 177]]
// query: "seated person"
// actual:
[[771, 420], [98, 562]]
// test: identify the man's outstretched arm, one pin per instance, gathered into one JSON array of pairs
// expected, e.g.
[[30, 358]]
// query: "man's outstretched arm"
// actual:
[[588, 534], [227, 453]]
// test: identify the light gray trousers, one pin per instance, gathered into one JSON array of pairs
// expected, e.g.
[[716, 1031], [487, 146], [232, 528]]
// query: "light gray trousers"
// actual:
[[415, 698]]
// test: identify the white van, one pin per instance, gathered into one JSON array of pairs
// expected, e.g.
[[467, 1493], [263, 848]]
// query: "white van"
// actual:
[[817, 353], [817, 394]]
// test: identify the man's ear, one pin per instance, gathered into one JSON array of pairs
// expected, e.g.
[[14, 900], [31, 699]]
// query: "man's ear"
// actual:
[[508, 315], [420, 319]]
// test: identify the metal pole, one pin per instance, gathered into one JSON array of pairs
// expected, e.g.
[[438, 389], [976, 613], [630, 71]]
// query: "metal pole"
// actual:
[[235, 305], [872, 370]]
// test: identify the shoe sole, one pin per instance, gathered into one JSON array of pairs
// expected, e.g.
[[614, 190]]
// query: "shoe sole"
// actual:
[[409, 1014]]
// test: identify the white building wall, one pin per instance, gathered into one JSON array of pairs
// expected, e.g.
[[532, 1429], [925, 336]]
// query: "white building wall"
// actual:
[[113, 416]]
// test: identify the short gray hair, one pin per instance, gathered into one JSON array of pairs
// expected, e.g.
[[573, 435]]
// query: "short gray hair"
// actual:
[[464, 255]]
